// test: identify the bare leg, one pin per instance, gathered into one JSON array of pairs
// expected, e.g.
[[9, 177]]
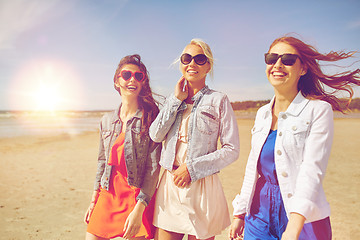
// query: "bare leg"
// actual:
[[191, 237], [90, 236], [162, 234]]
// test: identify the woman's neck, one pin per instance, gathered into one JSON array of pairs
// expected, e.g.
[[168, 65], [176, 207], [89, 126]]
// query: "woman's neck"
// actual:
[[281, 104], [283, 101], [194, 88], [128, 109]]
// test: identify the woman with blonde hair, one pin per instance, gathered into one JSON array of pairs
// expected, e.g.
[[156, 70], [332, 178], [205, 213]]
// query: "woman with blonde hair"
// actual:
[[190, 199]]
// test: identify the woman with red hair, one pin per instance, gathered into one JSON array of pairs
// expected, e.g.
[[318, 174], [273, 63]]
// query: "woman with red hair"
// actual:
[[282, 196]]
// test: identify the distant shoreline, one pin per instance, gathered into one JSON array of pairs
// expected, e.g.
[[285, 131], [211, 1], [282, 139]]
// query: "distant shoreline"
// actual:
[[251, 114]]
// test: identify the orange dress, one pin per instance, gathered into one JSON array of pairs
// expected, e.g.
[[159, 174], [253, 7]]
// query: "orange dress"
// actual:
[[114, 206]]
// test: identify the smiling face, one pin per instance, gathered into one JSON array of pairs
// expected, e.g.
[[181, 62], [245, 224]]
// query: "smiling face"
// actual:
[[284, 78], [130, 87], [193, 72]]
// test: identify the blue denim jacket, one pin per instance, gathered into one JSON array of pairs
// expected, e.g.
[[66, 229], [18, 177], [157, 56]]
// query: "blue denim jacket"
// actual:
[[211, 117], [142, 155]]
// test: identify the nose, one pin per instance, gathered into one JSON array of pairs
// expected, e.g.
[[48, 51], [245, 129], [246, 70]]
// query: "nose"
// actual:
[[278, 63], [132, 79], [192, 63]]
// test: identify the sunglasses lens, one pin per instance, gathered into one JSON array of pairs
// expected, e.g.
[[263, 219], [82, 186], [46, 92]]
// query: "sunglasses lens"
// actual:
[[289, 59], [200, 59], [139, 76], [271, 58], [126, 75], [185, 58]]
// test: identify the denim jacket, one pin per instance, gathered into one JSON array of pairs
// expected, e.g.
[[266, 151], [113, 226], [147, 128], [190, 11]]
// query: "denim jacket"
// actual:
[[301, 154], [211, 117], [142, 155]]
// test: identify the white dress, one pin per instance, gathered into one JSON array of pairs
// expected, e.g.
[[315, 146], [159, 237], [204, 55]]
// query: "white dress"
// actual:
[[199, 209]]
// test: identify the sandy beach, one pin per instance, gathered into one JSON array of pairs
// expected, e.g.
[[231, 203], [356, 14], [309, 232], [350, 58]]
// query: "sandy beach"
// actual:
[[46, 182]]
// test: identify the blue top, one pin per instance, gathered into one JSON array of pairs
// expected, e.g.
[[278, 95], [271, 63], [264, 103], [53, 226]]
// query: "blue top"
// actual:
[[267, 218]]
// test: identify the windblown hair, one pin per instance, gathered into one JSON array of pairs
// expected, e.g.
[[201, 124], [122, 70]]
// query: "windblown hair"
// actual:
[[312, 83], [147, 104]]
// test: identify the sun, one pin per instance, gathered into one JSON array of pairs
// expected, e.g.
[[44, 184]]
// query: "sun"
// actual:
[[47, 97], [46, 85]]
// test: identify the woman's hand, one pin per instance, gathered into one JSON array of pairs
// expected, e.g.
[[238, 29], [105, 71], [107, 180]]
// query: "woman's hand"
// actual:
[[181, 176], [236, 229], [181, 89], [294, 227], [91, 207], [89, 212], [133, 221]]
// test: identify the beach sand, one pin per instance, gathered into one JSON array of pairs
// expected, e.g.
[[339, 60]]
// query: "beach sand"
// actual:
[[46, 182]]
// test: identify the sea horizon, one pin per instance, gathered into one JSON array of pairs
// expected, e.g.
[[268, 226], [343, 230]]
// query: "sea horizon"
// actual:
[[14, 123]]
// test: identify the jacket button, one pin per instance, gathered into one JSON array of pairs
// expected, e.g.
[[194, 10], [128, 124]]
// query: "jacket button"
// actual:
[[280, 134], [284, 116], [107, 178], [294, 128], [279, 152], [284, 174], [289, 195]]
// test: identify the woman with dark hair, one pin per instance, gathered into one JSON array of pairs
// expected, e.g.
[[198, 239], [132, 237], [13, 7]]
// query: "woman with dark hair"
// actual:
[[282, 196], [128, 161]]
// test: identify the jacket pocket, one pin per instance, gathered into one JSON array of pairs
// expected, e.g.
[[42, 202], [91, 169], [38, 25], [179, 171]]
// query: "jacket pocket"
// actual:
[[207, 120], [294, 139], [257, 136]]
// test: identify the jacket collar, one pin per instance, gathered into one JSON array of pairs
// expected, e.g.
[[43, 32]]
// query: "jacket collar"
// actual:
[[200, 93], [116, 115], [295, 107]]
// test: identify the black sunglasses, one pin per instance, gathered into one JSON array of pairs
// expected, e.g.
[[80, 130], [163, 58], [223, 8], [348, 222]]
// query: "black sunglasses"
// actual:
[[127, 74], [199, 59], [287, 58]]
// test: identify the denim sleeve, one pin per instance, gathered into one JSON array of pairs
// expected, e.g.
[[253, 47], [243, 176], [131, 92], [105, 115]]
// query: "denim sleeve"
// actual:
[[165, 119], [213, 162], [101, 162], [151, 175]]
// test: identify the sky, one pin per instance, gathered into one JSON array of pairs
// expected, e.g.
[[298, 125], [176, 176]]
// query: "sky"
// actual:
[[62, 55]]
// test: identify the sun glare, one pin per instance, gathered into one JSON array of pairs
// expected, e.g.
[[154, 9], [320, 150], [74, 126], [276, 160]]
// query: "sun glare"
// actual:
[[46, 85], [47, 98]]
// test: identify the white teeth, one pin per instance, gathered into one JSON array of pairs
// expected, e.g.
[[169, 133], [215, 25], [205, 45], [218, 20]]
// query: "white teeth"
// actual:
[[192, 71], [132, 87], [278, 74]]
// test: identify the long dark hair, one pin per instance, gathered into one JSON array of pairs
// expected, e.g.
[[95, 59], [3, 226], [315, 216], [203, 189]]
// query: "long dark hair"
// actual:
[[147, 103], [312, 83]]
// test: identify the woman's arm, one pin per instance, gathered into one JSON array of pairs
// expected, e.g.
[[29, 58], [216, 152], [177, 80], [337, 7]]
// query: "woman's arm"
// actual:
[[211, 163], [133, 221], [101, 162], [165, 119], [294, 227], [151, 174], [167, 115], [316, 154], [90, 209]]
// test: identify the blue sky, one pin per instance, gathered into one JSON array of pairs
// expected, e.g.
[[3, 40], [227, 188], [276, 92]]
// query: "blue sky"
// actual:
[[63, 54]]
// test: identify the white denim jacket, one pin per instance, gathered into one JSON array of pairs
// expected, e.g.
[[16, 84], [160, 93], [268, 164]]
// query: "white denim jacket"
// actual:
[[302, 149], [211, 117]]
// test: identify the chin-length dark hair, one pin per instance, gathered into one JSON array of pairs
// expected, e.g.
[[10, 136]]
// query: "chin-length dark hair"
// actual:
[[147, 103], [312, 83]]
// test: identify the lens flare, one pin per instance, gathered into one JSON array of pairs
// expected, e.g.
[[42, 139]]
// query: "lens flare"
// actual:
[[46, 85]]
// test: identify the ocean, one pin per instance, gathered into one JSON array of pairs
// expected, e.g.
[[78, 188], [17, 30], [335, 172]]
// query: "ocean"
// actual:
[[20, 123]]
